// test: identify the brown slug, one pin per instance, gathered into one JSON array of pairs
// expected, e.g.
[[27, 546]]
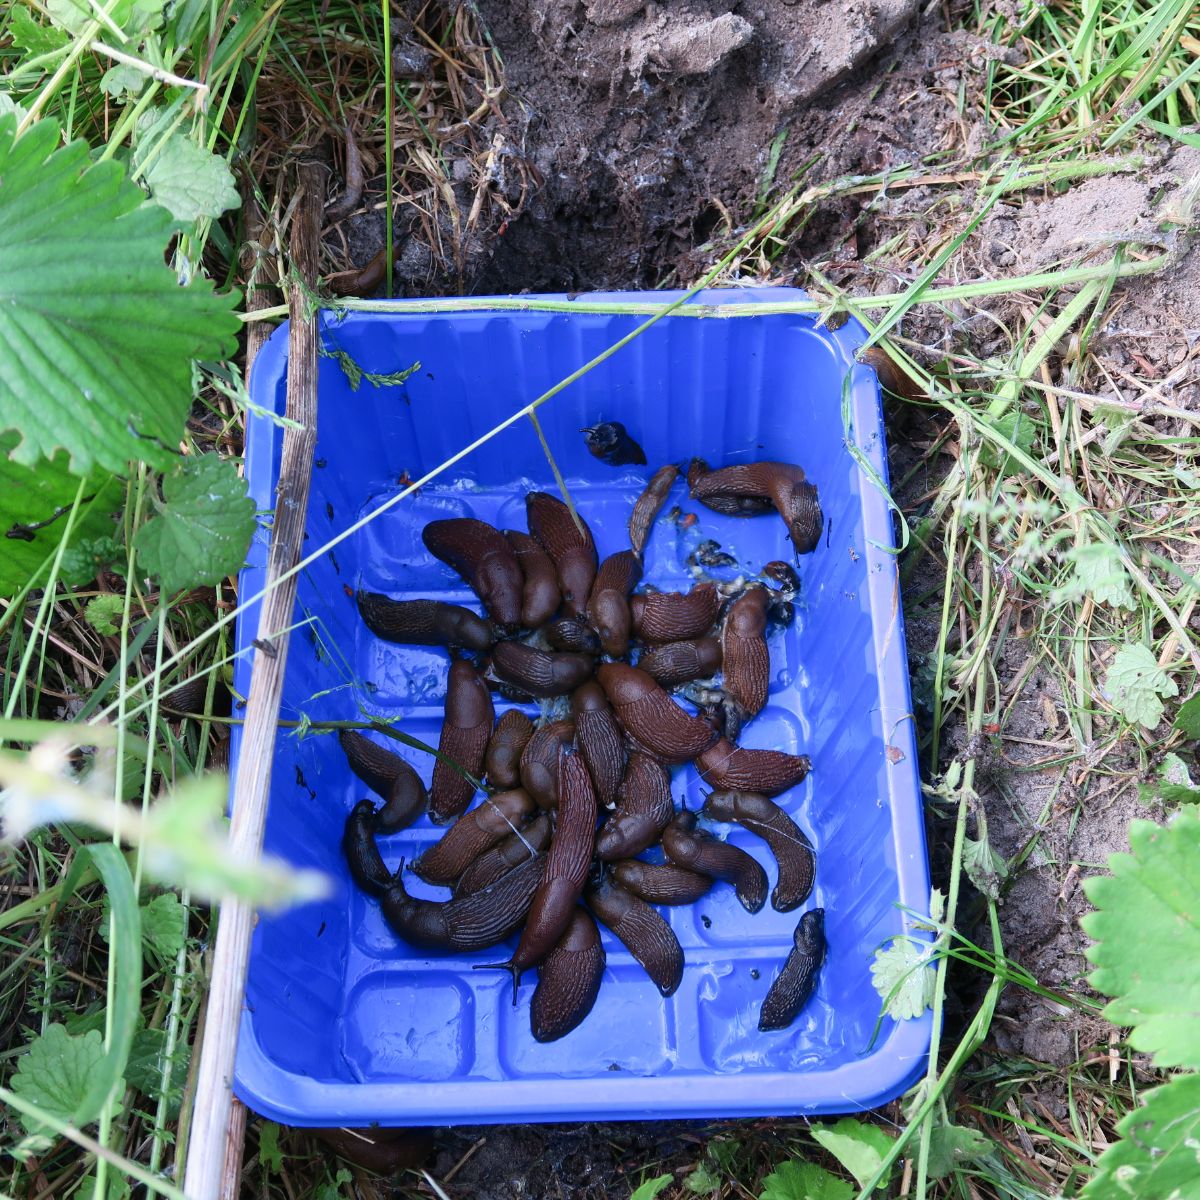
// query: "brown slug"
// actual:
[[652, 717], [647, 507], [464, 738], [675, 616], [502, 761], [608, 604], [362, 854], [729, 768], [796, 982], [640, 929], [736, 503], [689, 847], [569, 633], [661, 883], [540, 761], [539, 596], [405, 797], [485, 561], [792, 850], [598, 736], [465, 923], [503, 856], [424, 622], [674, 663], [568, 980], [539, 672], [473, 833], [568, 543], [741, 490], [747, 663], [644, 810]]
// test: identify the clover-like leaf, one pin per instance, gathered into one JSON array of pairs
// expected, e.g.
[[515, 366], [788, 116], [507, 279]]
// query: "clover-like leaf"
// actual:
[[859, 1146], [56, 1072], [97, 337], [902, 977], [188, 180], [1135, 682], [203, 526], [804, 1181]]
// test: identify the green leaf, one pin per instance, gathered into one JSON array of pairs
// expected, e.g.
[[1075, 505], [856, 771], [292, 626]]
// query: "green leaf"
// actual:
[[145, 1068], [203, 528], [56, 1073], [1147, 932], [804, 1181], [82, 563], [122, 78], [1156, 1158], [270, 1156], [1100, 574], [985, 868], [1017, 427], [162, 928], [104, 612], [116, 1186], [701, 1181], [1187, 719], [1173, 784], [902, 978], [1134, 684], [953, 1146], [652, 1187], [133, 16], [31, 37], [859, 1147], [97, 338], [188, 180]]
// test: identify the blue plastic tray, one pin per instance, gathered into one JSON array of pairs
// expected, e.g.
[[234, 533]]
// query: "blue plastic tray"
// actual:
[[344, 1024]]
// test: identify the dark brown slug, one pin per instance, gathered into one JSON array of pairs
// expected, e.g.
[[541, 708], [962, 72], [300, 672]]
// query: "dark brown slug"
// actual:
[[640, 929], [505, 855], [661, 883], [675, 616], [539, 672], [792, 850], [794, 985], [569, 633], [611, 443], [741, 491], [539, 596], [568, 980], [729, 768], [465, 923], [652, 717], [362, 854], [486, 562], [608, 604], [464, 738], [735, 503], [598, 736], [644, 810], [674, 663], [472, 834], [569, 544], [647, 507], [746, 661], [424, 622], [405, 797], [540, 761], [686, 846], [502, 762]]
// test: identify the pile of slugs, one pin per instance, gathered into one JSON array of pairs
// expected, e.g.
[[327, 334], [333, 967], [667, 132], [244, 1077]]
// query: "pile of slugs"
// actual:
[[534, 855]]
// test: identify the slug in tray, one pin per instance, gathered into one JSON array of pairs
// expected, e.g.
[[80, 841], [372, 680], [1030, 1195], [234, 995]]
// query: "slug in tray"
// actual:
[[540, 761], [675, 616], [502, 762], [569, 633], [568, 980], [464, 738], [598, 736], [539, 597], [610, 443], [688, 847], [675, 663], [644, 810], [362, 854], [652, 717], [465, 923], [539, 672], [745, 501], [752, 488], [747, 663], [405, 797], [729, 768], [567, 864], [647, 507], [608, 604], [424, 622], [792, 850], [473, 833], [643, 932], [569, 544], [795, 984], [505, 855], [661, 883], [485, 561]]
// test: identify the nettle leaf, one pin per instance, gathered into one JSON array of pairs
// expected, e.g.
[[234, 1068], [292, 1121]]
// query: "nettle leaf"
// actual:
[[1147, 951], [103, 613], [99, 367], [1187, 719], [1100, 574], [986, 869], [804, 1181], [1156, 1158], [858, 1146], [902, 976], [952, 1146], [1134, 684], [189, 181], [203, 527], [56, 1072]]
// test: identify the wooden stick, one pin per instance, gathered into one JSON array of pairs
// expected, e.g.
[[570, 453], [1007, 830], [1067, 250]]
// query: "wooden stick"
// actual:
[[214, 1094]]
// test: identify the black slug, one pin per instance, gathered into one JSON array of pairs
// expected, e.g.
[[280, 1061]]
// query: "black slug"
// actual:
[[795, 984], [610, 443], [505, 855], [405, 797], [424, 622], [362, 854], [661, 883]]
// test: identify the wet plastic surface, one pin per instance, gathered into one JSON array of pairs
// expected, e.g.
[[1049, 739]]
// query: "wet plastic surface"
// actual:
[[344, 1024]]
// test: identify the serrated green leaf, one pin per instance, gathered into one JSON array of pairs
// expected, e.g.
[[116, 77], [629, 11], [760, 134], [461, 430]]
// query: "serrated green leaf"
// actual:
[[903, 979], [804, 1181], [203, 528], [858, 1146], [651, 1187], [188, 180], [162, 927], [134, 17], [1134, 684], [56, 1073], [1187, 719], [84, 562], [986, 869], [103, 613], [953, 1146], [31, 37], [270, 1156], [1100, 574], [1147, 933], [122, 78], [1157, 1157], [99, 367], [701, 1181]]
